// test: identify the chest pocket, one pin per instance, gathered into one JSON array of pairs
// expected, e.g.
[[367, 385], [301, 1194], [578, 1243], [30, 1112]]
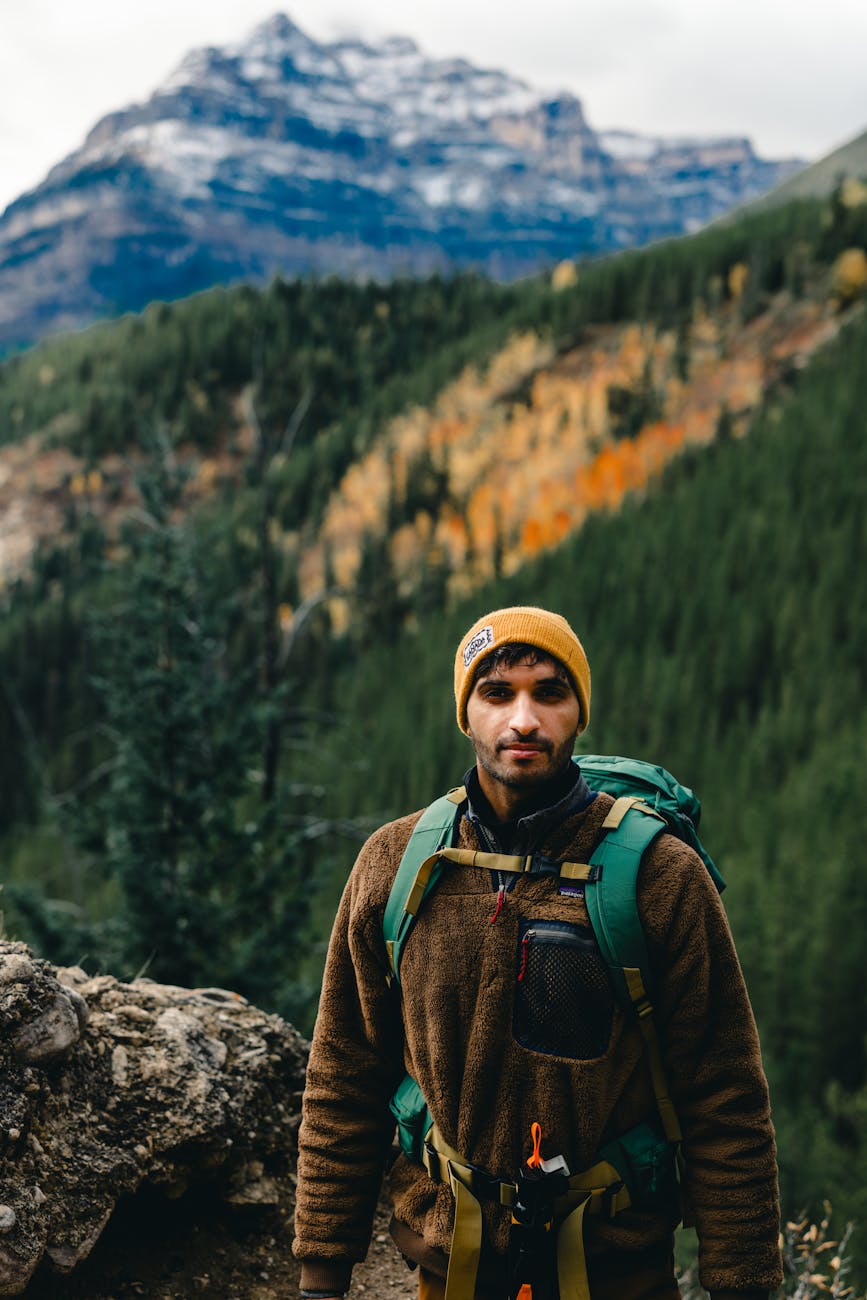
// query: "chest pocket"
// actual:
[[564, 1002]]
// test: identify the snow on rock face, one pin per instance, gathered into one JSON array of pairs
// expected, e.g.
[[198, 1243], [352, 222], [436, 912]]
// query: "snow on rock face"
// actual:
[[281, 103], [395, 77], [449, 89], [284, 152], [626, 145]]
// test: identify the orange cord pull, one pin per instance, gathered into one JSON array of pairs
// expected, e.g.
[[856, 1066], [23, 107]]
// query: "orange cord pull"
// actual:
[[526, 1292], [536, 1158]]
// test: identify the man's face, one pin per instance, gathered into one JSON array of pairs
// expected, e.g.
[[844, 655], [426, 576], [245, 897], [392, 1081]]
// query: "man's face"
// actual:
[[522, 722]]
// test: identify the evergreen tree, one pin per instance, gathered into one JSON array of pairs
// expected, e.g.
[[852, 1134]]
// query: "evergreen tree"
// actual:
[[191, 821]]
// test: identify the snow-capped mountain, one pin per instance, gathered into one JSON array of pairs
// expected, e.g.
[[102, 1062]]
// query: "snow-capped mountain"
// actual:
[[284, 154]]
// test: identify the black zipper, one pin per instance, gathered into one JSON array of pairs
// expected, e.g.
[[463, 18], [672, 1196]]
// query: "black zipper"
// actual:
[[501, 881], [552, 932]]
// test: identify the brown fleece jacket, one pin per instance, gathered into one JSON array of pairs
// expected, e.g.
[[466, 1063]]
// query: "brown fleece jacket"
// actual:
[[455, 1036]]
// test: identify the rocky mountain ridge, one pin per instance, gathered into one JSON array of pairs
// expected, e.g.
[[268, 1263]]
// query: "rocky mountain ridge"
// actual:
[[284, 154]]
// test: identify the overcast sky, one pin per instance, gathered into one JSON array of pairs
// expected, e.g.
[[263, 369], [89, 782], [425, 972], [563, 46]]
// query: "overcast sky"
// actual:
[[788, 73]]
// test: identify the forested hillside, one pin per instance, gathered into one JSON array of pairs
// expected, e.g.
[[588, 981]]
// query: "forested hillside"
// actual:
[[274, 515], [725, 630]]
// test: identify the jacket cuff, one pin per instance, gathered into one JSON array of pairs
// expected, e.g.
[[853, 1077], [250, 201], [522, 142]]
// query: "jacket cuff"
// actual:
[[331, 1276]]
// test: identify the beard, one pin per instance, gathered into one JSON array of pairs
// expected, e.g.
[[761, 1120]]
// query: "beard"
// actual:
[[552, 761]]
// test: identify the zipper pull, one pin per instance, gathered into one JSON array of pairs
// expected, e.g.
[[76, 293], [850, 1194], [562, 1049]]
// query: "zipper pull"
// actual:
[[525, 948], [501, 898]]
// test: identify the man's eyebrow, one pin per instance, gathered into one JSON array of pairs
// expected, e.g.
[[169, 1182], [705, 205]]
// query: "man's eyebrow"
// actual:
[[497, 679]]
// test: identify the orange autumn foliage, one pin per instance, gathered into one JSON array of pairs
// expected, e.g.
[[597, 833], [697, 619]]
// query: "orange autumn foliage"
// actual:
[[627, 466], [519, 473]]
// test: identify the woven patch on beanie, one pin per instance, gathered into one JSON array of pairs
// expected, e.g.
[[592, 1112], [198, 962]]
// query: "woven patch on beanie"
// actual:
[[480, 642]]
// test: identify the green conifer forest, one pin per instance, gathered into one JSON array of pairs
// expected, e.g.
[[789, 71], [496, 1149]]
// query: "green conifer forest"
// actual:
[[186, 782]]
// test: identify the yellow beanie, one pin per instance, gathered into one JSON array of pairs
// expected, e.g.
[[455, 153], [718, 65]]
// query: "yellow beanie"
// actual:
[[529, 626]]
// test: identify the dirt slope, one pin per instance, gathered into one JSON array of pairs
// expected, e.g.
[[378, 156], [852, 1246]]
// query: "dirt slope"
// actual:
[[159, 1249]]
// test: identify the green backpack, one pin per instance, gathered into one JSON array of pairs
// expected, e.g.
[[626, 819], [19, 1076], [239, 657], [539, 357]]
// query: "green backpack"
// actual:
[[648, 802]]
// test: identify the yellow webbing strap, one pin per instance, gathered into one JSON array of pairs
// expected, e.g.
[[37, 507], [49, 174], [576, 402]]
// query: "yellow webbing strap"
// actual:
[[517, 864], [647, 1024], [572, 1280], [416, 894], [466, 1241], [439, 1158], [620, 808], [594, 1187], [486, 861], [594, 1192], [576, 870], [443, 1164]]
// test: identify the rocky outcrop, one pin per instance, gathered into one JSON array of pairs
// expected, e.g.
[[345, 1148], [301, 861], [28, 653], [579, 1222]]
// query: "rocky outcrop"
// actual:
[[105, 1086]]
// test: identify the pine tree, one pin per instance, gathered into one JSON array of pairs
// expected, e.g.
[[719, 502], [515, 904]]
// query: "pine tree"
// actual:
[[207, 860]]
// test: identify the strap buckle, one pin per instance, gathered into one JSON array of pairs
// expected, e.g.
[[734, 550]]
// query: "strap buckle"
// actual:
[[432, 1163], [538, 864], [483, 1185], [609, 1196]]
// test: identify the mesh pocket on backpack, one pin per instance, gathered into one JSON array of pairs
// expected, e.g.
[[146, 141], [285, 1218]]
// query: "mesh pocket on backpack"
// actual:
[[564, 1002]]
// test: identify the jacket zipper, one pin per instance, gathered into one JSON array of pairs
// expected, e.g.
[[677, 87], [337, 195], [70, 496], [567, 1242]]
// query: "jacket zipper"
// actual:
[[502, 881], [554, 934]]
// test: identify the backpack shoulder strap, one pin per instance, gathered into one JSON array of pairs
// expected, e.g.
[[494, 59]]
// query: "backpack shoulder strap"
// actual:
[[611, 897], [611, 892], [437, 827]]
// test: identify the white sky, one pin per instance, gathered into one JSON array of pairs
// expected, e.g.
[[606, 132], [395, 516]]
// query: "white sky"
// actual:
[[788, 73]]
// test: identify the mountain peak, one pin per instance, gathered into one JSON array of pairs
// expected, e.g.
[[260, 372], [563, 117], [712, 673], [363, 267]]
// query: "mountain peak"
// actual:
[[261, 53], [281, 152], [278, 30], [278, 27]]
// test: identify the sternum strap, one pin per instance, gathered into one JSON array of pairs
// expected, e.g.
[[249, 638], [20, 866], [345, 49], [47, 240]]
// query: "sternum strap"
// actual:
[[518, 864]]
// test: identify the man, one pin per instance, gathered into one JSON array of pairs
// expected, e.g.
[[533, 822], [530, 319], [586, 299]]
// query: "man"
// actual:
[[493, 1054]]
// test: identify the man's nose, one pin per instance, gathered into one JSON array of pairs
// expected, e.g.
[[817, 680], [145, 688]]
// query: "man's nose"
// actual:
[[524, 716]]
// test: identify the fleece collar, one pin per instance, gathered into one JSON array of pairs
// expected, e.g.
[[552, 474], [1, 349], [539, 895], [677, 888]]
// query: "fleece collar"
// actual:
[[566, 795]]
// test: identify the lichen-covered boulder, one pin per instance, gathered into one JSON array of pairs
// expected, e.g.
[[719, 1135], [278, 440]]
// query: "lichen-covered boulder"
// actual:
[[105, 1085]]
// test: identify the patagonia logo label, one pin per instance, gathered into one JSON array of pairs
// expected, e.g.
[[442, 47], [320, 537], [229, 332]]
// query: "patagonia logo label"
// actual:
[[480, 642], [571, 891]]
